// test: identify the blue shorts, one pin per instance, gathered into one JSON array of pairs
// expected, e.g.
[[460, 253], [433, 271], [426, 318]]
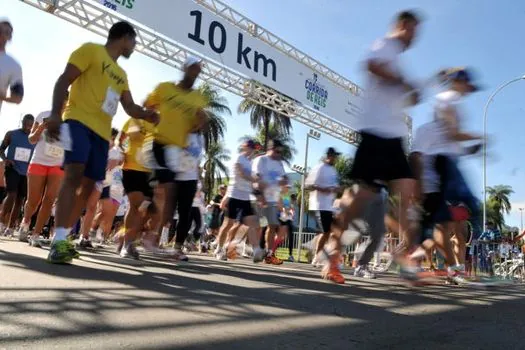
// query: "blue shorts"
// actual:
[[88, 148]]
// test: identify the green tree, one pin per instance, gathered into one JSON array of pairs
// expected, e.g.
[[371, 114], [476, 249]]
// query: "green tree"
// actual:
[[343, 165], [274, 133], [498, 204], [264, 120], [215, 167], [217, 107]]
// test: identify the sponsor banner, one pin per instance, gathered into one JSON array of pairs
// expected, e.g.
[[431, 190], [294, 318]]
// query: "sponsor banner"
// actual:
[[197, 28]]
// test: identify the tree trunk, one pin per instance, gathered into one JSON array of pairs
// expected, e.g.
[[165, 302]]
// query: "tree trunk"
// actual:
[[266, 130]]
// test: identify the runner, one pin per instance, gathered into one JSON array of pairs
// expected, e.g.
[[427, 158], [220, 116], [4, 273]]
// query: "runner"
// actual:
[[136, 181], [217, 216], [181, 110], [449, 116], [380, 158], [429, 149], [323, 183], [19, 151], [98, 84], [44, 177], [239, 207], [10, 70], [269, 172], [186, 183]]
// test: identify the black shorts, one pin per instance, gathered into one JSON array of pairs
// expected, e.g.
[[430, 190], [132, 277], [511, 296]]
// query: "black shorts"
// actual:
[[379, 160], [238, 209], [2, 194], [137, 181], [165, 175], [105, 193], [14, 182], [324, 219]]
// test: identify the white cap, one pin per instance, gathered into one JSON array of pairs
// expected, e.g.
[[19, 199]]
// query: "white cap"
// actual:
[[5, 20], [190, 61]]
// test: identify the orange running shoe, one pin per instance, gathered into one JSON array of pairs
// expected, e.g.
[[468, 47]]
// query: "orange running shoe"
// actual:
[[273, 260], [331, 271]]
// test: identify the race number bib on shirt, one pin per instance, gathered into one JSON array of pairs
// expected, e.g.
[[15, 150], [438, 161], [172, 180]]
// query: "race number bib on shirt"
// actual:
[[53, 150], [110, 104], [22, 154]]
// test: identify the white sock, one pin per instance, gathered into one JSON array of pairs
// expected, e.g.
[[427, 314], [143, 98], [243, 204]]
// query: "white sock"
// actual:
[[61, 234], [24, 226], [100, 233]]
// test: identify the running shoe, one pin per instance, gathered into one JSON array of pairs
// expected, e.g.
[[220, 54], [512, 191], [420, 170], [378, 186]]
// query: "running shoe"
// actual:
[[85, 244], [273, 260], [364, 272], [316, 263], [130, 252], [8, 232], [61, 252], [258, 254], [34, 241], [221, 254], [22, 233], [331, 271], [179, 255]]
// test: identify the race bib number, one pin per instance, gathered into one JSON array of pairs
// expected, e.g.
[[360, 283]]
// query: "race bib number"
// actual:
[[53, 150], [273, 194], [22, 154], [110, 104]]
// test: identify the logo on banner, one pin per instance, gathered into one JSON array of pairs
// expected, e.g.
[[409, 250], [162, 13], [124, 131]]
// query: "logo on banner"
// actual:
[[116, 4], [315, 92]]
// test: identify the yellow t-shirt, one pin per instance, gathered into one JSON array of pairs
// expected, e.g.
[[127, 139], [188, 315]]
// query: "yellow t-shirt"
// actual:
[[132, 146], [178, 110], [95, 94]]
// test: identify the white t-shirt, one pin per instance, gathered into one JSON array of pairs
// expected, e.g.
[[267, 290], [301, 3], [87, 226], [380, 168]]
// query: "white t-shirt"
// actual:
[[323, 175], [383, 103], [425, 138], [47, 152], [240, 188], [10, 73], [192, 157], [117, 188], [271, 171], [447, 100]]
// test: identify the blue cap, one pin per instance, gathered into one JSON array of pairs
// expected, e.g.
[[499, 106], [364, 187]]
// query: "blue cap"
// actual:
[[465, 75]]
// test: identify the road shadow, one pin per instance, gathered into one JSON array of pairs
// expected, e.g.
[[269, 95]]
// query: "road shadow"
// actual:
[[210, 296]]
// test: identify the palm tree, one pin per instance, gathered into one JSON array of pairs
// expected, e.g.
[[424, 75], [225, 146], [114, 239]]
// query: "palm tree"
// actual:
[[499, 203], [274, 133], [215, 167], [261, 118], [217, 106]]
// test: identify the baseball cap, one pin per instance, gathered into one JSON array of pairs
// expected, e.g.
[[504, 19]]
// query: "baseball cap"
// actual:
[[190, 61], [332, 152], [466, 75]]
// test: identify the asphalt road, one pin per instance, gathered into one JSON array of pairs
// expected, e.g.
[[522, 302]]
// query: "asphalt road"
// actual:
[[105, 302]]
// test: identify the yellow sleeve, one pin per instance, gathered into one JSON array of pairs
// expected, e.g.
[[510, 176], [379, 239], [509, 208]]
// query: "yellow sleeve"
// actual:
[[154, 98], [82, 57]]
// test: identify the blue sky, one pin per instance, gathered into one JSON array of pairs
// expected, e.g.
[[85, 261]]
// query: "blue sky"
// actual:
[[478, 33]]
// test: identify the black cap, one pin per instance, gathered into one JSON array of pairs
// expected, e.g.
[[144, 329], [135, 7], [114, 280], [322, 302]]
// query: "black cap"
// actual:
[[466, 75], [332, 152]]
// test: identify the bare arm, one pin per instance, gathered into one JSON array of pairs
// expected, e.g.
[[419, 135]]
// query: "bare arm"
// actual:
[[36, 131], [70, 74], [16, 94], [451, 123], [5, 143], [136, 111]]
